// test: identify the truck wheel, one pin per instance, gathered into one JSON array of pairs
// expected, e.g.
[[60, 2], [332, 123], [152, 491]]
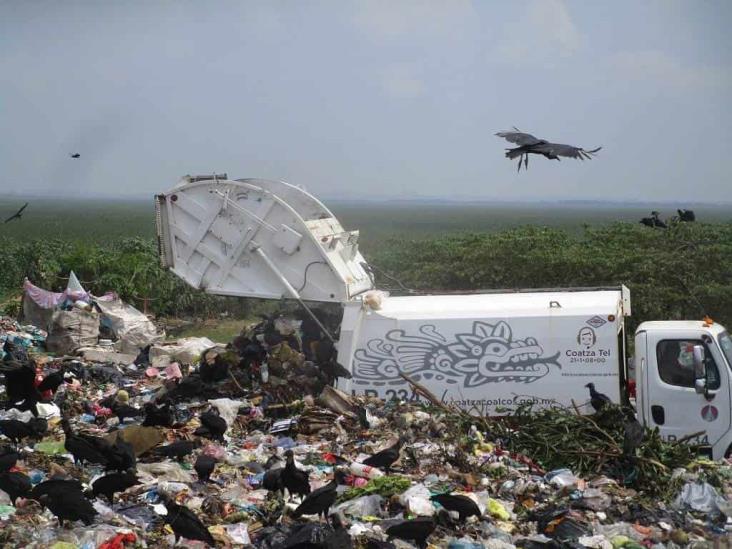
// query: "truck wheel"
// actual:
[[728, 453]]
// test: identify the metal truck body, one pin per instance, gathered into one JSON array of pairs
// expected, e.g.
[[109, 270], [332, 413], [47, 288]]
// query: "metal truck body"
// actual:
[[489, 351]]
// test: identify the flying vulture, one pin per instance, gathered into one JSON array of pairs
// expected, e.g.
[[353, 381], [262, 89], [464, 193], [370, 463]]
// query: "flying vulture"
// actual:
[[528, 144], [17, 214]]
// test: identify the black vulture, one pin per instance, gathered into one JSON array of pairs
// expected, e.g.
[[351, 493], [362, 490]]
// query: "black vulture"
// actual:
[[123, 410], [85, 448], [8, 458], [158, 415], [69, 505], [387, 457], [633, 433], [654, 221], [295, 480], [110, 484], [597, 400], [17, 215], [417, 530], [686, 216], [309, 535], [177, 450], [187, 388], [272, 480], [319, 502], [39, 426], [15, 485], [20, 378], [362, 417], [528, 144], [372, 543], [121, 455], [204, 466], [55, 486], [52, 381], [16, 430], [185, 523], [339, 538], [462, 505], [212, 425]]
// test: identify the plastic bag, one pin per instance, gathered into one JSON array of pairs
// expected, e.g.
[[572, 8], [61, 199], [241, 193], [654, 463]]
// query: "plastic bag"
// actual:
[[562, 478], [163, 471], [700, 496], [186, 351], [132, 328], [228, 409], [496, 509], [360, 507], [238, 533]]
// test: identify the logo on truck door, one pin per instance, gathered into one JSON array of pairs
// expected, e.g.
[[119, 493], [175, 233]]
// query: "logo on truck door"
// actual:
[[487, 354]]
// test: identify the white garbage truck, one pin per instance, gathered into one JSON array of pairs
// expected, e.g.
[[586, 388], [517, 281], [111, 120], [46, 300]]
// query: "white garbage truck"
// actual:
[[485, 352]]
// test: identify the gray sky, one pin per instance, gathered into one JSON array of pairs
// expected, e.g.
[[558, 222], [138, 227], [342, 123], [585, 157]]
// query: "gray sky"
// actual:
[[368, 99]]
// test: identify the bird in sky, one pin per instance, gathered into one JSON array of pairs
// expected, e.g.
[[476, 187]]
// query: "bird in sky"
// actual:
[[17, 215], [74, 155], [528, 144]]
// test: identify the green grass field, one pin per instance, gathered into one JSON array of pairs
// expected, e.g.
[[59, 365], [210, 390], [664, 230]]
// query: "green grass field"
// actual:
[[101, 221]]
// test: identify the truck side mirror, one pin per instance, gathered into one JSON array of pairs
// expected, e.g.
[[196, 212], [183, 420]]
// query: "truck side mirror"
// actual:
[[700, 370]]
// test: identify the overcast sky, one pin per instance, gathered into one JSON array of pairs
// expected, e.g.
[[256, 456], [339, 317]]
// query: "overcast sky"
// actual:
[[380, 98]]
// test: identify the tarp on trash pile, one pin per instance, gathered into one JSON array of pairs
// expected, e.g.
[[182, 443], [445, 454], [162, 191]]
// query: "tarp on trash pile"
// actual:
[[132, 328], [48, 300], [39, 304], [67, 332]]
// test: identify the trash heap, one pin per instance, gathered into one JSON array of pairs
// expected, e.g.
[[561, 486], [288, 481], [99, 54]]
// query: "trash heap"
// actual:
[[249, 445]]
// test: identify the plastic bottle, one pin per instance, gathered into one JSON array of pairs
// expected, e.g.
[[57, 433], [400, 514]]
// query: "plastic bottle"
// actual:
[[264, 370], [365, 471]]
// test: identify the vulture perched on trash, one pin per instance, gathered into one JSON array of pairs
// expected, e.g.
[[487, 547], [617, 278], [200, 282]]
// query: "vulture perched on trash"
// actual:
[[17, 430], [597, 400], [633, 434], [213, 426], [54, 487], [158, 415], [52, 381], [528, 144], [120, 456], [385, 458], [185, 524], [462, 505], [8, 458], [416, 529], [319, 502], [115, 482], [69, 505], [204, 466], [85, 448], [295, 480], [178, 449], [15, 484]]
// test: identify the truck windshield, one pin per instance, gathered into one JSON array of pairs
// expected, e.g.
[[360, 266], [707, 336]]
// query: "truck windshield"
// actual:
[[725, 341]]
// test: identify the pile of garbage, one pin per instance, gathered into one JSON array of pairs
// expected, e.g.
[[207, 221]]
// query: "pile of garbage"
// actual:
[[248, 444]]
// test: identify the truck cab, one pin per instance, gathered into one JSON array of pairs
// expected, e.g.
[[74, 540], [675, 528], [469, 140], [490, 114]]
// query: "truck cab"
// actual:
[[687, 397]]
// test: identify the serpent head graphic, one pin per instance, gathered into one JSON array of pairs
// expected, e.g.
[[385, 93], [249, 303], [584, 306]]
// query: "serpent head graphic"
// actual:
[[488, 353]]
